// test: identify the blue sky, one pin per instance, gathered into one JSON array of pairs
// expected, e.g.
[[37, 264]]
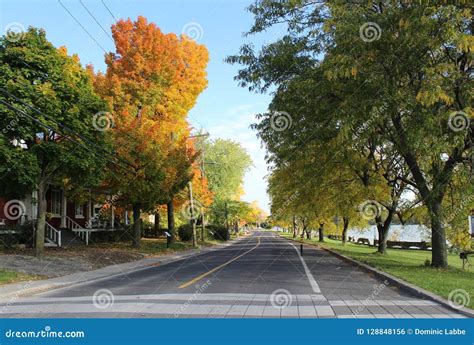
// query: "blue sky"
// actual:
[[224, 109]]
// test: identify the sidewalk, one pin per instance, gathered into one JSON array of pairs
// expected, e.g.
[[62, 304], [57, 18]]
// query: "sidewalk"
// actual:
[[26, 288], [403, 285]]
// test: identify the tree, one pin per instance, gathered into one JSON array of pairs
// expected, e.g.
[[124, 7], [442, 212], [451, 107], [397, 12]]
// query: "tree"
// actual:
[[226, 163], [256, 215], [47, 107], [151, 83], [419, 70]]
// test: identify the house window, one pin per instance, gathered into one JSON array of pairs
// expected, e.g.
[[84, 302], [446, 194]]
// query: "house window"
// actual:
[[79, 210], [56, 202]]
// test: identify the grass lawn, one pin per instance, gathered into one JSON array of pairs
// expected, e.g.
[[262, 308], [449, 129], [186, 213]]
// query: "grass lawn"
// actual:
[[155, 246], [7, 277], [409, 265]]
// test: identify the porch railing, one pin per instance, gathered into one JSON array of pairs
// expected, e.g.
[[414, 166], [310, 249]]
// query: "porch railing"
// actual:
[[52, 234], [82, 232]]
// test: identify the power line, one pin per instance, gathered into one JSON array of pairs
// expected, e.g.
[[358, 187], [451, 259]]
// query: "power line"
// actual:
[[83, 28], [23, 113], [103, 3], [55, 121], [55, 130], [95, 19], [79, 144]]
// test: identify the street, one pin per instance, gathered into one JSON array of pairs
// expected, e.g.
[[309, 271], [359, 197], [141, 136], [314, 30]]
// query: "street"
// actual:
[[261, 275]]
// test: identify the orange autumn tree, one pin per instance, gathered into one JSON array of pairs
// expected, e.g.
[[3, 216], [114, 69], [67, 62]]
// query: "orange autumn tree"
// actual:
[[152, 81]]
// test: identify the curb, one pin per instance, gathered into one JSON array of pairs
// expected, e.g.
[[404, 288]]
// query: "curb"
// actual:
[[23, 289], [401, 284]]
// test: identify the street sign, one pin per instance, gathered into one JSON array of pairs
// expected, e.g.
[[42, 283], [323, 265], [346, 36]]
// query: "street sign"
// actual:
[[167, 234]]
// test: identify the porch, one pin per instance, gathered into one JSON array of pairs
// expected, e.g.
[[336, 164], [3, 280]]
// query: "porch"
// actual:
[[66, 219]]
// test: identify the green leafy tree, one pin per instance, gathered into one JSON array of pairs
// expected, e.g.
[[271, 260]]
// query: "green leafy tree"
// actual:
[[413, 60], [226, 163], [47, 107]]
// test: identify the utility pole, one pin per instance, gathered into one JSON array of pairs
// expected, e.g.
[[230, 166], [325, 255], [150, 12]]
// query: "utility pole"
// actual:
[[205, 135], [193, 221]]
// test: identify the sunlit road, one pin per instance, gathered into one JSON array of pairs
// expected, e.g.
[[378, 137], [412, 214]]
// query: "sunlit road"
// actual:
[[262, 275]]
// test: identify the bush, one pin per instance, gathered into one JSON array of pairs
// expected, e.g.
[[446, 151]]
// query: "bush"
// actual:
[[27, 234], [124, 234], [185, 232], [8, 241], [151, 233], [21, 234], [219, 232]]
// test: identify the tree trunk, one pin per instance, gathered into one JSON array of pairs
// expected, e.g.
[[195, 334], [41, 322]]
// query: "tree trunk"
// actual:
[[170, 212], [202, 227], [294, 227], [382, 245], [321, 232], [227, 218], [438, 237], [308, 234], [432, 198], [41, 220], [157, 223], [344, 229], [383, 228], [137, 222]]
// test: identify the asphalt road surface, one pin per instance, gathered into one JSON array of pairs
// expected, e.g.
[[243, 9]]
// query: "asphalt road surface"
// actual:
[[261, 275]]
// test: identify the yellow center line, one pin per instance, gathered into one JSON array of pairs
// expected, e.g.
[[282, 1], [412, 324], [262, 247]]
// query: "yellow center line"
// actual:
[[194, 280]]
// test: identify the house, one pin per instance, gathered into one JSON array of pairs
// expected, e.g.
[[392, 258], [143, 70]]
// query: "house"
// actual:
[[65, 218]]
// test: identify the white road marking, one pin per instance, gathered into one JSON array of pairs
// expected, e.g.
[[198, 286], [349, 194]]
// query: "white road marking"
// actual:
[[311, 279]]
